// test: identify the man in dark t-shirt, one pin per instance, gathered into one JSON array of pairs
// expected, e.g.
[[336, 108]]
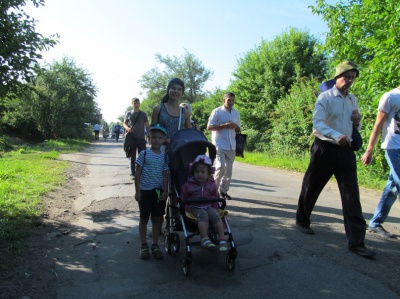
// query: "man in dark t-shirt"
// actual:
[[134, 123]]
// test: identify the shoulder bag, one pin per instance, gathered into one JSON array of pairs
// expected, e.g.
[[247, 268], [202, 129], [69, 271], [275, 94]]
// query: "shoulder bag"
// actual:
[[240, 144]]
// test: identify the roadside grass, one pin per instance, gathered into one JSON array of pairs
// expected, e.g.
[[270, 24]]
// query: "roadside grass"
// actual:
[[26, 173]]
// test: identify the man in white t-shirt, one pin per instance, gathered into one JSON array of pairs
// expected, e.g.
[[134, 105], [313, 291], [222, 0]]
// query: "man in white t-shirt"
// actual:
[[387, 121], [224, 122]]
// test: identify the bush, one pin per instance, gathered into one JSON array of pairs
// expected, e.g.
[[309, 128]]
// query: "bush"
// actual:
[[5, 144], [292, 121]]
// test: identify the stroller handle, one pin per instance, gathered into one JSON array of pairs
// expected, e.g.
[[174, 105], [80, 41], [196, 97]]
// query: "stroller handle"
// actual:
[[202, 200]]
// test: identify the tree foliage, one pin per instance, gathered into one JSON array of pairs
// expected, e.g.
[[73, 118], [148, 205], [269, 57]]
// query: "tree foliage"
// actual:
[[20, 45], [292, 118], [59, 100], [187, 67], [265, 74], [367, 32]]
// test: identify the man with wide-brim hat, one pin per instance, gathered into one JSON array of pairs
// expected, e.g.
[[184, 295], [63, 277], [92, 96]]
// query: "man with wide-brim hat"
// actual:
[[335, 114]]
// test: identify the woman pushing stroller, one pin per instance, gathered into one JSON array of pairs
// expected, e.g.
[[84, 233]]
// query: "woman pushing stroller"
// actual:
[[201, 185]]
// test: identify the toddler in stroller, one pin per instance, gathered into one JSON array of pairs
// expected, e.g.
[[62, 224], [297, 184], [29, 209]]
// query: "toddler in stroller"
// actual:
[[201, 186], [185, 146]]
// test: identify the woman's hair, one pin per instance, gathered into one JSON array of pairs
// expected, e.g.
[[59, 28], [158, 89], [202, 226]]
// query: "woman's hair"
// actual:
[[175, 81]]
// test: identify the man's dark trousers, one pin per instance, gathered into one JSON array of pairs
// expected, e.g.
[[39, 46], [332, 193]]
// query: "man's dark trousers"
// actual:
[[329, 159]]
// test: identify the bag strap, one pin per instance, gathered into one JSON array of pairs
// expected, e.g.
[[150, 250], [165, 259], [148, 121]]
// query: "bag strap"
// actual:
[[180, 117], [140, 112]]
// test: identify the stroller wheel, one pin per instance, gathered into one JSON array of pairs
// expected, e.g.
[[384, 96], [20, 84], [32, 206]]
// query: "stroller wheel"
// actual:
[[230, 262], [167, 242], [176, 242], [186, 267]]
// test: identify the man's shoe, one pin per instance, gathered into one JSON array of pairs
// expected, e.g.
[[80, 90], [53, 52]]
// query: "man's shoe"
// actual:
[[362, 250], [304, 229], [225, 196], [381, 231]]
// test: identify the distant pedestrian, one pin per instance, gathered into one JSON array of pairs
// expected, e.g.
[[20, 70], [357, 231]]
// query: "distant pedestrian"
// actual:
[[117, 131], [135, 124], [96, 129]]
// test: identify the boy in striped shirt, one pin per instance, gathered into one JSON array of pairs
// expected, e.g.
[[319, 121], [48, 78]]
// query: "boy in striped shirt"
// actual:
[[151, 185]]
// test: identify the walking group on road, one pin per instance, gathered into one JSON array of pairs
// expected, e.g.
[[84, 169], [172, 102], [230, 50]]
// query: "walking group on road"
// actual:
[[336, 121]]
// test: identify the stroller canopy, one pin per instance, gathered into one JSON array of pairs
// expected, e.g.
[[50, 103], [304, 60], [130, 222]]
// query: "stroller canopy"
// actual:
[[186, 145]]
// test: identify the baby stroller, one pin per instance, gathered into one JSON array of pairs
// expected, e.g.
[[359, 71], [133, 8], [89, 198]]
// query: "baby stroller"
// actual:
[[184, 147]]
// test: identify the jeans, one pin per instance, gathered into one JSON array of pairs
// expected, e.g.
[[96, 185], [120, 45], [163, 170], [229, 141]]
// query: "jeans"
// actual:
[[391, 189]]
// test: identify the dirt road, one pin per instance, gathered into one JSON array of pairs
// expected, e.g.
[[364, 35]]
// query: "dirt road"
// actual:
[[88, 245]]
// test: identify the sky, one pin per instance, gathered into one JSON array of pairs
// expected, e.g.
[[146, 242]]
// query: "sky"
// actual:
[[116, 41]]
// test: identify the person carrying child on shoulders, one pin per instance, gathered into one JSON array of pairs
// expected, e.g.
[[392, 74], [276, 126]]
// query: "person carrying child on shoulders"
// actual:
[[151, 185], [202, 185]]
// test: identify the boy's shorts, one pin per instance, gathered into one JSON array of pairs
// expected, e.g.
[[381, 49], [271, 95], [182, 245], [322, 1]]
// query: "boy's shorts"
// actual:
[[150, 204]]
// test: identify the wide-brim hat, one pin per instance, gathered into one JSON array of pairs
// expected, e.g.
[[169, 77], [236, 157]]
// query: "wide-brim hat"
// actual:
[[346, 66]]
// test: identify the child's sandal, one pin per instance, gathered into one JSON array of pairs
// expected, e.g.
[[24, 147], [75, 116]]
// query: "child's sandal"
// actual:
[[223, 246], [144, 252], [156, 251], [206, 243]]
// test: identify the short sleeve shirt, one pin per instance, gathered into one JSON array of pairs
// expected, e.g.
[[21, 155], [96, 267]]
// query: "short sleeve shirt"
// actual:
[[153, 165], [226, 138], [390, 104], [137, 121]]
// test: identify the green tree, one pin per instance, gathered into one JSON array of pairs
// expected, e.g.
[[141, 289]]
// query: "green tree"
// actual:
[[69, 92], [201, 110], [292, 120], [187, 67], [20, 45], [266, 74], [59, 100], [367, 32]]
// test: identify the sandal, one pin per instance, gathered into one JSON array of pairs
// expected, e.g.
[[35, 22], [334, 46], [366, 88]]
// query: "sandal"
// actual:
[[157, 253], [144, 252], [206, 243], [223, 246]]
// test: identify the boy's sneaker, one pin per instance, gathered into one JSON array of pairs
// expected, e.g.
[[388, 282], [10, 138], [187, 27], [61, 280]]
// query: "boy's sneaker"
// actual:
[[381, 231], [144, 252]]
